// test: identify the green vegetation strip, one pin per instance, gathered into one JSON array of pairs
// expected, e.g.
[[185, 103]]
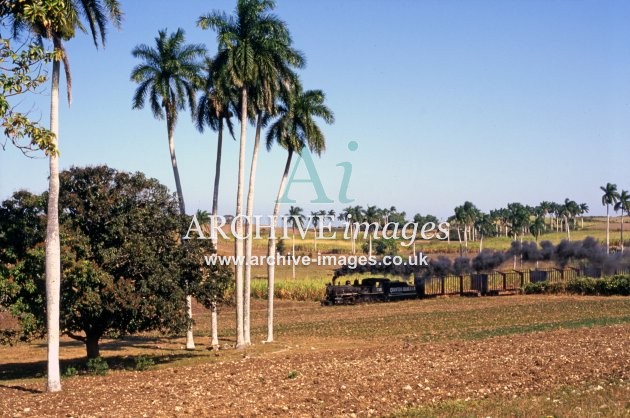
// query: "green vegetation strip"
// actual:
[[548, 326]]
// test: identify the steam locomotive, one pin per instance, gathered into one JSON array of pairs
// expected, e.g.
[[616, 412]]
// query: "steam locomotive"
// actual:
[[373, 289]]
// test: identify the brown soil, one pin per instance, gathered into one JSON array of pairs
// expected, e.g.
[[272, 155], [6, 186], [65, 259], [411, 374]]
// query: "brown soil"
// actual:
[[342, 373]]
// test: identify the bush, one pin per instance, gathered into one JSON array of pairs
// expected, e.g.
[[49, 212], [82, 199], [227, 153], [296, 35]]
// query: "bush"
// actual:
[[97, 366], [280, 247], [70, 372], [143, 362], [535, 288], [606, 286], [620, 284], [583, 286]]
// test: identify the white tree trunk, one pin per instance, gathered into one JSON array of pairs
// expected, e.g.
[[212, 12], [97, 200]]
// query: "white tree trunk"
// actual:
[[249, 234], [607, 230], [293, 251], [622, 230], [217, 177], [214, 326], [215, 240], [271, 250], [53, 252], [238, 242], [190, 341]]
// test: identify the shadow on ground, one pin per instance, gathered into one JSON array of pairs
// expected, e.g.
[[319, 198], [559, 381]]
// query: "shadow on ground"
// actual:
[[163, 355]]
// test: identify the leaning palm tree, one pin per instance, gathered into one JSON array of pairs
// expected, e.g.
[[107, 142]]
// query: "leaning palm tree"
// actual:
[[610, 197], [168, 76], [58, 25], [296, 217], [295, 129], [243, 38], [623, 204]]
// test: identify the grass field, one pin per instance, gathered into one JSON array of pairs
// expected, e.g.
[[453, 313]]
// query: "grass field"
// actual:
[[501, 356]]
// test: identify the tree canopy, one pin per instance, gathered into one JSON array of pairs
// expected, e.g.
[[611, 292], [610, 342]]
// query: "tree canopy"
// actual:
[[124, 267]]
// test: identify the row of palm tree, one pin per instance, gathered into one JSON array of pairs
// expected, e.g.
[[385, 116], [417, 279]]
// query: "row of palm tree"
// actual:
[[253, 77], [515, 220]]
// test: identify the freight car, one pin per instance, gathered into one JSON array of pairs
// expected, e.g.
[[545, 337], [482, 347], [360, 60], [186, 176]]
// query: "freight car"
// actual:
[[373, 289]]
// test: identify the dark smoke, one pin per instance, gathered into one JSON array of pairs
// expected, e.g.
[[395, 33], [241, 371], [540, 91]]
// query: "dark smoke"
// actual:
[[488, 260], [589, 255]]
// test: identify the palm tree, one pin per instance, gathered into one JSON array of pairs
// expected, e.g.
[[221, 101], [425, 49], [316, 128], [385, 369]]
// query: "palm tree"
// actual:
[[610, 197], [315, 221], [59, 26], [215, 110], [568, 211], [371, 215], [623, 204], [483, 224], [296, 217], [537, 227], [294, 129], [275, 60], [254, 48], [583, 211], [168, 76]]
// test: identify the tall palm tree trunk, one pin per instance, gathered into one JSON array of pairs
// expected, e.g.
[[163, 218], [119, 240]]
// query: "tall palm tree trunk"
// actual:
[[249, 234], [238, 242], [215, 210], [622, 230], [271, 251], [293, 250], [607, 230], [170, 126], [217, 178], [53, 251]]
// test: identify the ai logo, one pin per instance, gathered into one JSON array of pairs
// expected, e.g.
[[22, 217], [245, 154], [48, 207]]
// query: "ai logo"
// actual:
[[314, 179]]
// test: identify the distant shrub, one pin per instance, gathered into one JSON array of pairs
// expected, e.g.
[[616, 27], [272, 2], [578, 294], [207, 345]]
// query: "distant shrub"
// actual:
[[143, 362], [381, 246], [280, 247], [293, 375], [606, 286], [70, 372], [97, 366], [535, 288], [583, 286]]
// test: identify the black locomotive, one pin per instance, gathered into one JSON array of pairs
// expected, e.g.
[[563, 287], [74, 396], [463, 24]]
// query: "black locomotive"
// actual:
[[373, 289]]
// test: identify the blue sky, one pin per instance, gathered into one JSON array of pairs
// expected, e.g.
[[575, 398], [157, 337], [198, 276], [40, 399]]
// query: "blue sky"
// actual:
[[487, 101]]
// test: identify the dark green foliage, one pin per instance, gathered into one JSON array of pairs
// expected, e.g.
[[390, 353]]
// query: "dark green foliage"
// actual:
[[614, 285], [124, 268], [70, 372], [97, 366], [606, 286], [382, 246], [143, 362], [280, 247]]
